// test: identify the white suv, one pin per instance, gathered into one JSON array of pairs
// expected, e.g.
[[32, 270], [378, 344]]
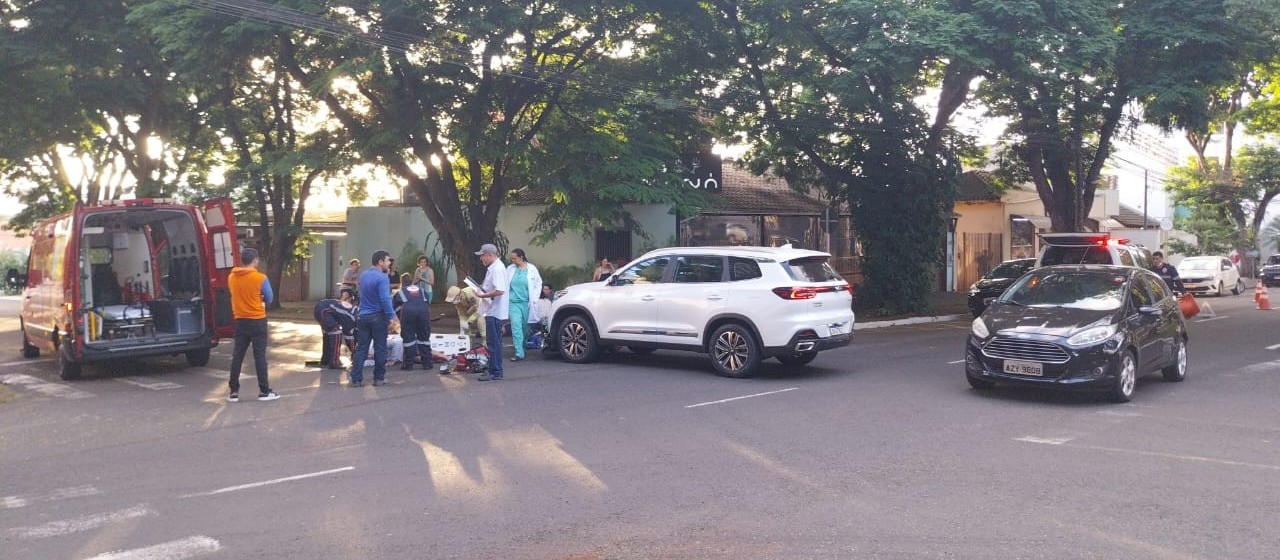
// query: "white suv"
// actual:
[[740, 305]]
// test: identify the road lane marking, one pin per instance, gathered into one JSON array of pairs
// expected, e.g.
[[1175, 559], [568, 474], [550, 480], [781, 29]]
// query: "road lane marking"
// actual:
[[172, 550], [268, 482], [1274, 347], [1119, 413], [148, 383], [1045, 441], [43, 387], [1160, 454], [956, 362], [1212, 319], [742, 397], [12, 502], [24, 362], [82, 523]]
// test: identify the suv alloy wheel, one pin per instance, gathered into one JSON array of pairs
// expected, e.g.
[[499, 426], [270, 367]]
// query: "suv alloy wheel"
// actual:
[[734, 352], [577, 340]]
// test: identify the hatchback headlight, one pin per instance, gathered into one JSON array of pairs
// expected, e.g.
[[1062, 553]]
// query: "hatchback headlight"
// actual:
[[980, 328], [1091, 336], [561, 293]]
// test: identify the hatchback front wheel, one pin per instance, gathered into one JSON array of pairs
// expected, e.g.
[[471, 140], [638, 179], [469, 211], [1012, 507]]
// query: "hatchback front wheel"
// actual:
[[1177, 371], [1126, 379]]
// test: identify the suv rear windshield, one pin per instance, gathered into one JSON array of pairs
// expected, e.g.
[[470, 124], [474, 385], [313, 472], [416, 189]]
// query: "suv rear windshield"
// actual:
[[1011, 269], [811, 269], [1058, 254]]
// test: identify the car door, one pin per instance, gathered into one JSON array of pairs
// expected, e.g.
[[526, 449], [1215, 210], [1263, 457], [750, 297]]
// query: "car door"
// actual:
[[695, 295], [1169, 328], [1230, 275], [220, 253], [1143, 327], [628, 306]]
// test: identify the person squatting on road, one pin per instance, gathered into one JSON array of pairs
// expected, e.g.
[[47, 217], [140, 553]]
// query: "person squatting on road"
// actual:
[[526, 286], [495, 288], [373, 321], [465, 302], [415, 326], [338, 323], [250, 294], [540, 318]]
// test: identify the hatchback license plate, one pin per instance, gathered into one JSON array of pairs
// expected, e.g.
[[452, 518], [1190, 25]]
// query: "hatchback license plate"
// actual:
[[1017, 367]]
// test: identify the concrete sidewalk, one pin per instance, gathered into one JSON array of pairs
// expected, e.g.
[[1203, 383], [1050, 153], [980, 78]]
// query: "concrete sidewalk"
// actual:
[[300, 312]]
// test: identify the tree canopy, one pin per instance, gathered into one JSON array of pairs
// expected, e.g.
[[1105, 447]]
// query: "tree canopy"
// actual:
[[590, 105]]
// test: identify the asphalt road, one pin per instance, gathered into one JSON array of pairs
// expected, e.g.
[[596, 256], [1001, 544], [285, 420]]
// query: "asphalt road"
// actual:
[[878, 450]]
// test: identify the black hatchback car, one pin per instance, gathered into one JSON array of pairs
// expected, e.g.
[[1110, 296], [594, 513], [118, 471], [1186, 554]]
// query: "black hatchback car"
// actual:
[[1084, 327], [993, 284]]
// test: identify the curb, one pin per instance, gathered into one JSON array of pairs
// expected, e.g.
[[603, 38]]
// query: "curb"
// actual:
[[909, 321]]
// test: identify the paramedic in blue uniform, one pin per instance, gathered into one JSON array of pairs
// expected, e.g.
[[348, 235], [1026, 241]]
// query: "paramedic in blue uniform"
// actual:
[[338, 324], [415, 325]]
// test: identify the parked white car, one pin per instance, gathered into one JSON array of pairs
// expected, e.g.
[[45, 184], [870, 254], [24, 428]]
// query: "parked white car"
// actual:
[[740, 305], [1210, 275]]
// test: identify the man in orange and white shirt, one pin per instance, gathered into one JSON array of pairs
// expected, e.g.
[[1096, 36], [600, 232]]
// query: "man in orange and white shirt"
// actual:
[[250, 294]]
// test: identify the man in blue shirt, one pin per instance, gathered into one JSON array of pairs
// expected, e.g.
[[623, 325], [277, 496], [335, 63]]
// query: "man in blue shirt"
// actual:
[[373, 320]]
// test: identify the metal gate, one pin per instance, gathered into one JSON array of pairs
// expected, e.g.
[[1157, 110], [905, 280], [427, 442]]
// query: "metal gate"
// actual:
[[977, 254]]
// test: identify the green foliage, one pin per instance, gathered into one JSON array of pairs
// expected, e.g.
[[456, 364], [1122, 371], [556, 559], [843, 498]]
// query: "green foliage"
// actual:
[[826, 99], [1213, 235], [430, 106], [647, 246], [407, 260], [1230, 202], [562, 277], [441, 264], [88, 98], [13, 259], [1065, 72]]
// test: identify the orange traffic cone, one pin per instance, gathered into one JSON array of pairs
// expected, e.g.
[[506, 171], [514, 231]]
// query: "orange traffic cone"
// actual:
[[1257, 290], [1264, 302]]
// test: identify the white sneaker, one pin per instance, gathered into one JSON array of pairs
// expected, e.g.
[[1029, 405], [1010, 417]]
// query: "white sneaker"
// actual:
[[268, 396]]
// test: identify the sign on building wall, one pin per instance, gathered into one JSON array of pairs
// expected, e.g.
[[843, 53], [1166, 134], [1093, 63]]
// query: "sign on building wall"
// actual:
[[705, 171]]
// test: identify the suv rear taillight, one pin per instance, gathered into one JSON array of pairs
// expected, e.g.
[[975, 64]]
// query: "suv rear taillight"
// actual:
[[797, 293], [809, 292]]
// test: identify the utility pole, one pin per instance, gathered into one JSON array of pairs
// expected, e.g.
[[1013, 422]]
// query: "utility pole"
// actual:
[[1144, 198]]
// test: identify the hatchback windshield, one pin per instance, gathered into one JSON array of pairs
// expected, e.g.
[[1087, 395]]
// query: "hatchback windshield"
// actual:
[[1094, 290], [1199, 264]]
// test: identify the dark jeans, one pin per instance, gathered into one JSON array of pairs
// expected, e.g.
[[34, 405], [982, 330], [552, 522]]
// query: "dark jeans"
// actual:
[[250, 331], [370, 329], [493, 336]]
